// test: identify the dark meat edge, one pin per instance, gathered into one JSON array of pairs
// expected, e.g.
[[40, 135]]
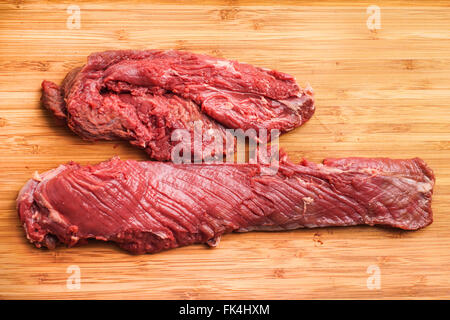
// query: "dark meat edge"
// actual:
[[346, 177]]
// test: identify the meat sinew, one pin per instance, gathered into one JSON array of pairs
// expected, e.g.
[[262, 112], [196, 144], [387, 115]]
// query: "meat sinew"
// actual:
[[147, 207], [142, 96]]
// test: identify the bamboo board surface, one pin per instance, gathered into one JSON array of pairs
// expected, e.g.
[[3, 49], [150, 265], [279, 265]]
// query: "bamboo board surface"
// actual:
[[383, 92]]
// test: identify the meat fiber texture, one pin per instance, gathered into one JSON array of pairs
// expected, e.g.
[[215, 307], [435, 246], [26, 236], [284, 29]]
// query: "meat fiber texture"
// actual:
[[143, 96], [146, 207]]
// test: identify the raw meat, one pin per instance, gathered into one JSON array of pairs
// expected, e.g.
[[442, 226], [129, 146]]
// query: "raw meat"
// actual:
[[147, 207], [143, 96]]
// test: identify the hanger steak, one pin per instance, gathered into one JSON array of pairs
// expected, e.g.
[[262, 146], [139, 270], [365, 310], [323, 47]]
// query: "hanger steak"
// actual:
[[143, 96], [146, 207]]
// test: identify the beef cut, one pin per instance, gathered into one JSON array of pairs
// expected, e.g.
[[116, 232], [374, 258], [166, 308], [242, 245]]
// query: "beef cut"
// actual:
[[143, 96], [147, 207]]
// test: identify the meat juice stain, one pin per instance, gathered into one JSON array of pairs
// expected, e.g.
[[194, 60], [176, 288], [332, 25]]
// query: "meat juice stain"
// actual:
[[217, 53], [35, 149], [317, 240], [279, 273], [228, 14]]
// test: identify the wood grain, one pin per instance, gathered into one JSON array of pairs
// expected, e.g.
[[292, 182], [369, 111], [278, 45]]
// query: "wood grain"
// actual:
[[383, 93]]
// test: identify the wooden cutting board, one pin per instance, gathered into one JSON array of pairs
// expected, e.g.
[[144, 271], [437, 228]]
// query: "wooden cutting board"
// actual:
[[380, 92]]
